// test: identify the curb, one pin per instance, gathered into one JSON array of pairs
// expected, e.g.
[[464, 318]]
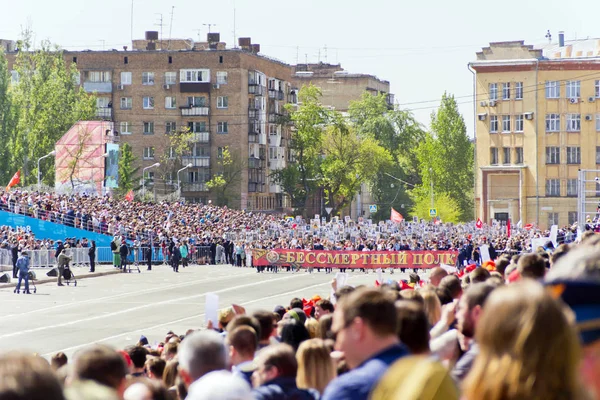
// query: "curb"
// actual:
[[53, 279]]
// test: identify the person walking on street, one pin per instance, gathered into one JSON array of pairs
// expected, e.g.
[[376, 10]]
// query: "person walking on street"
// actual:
[[148, 254], [123, 253], [14, 250], [114, 247], [175, 258], [183, 250], [23, 267], [63, 261], [92, 255]]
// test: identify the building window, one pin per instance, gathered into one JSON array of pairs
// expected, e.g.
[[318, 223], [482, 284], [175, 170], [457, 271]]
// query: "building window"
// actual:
[[126, 103], [97, 76], [170, 127], [125, 128], [125, 78], [493, 91], [552, 155], [597, 154], [171, 153], [222, 102], [552, 187], [76, 78], [505, 123], [170, 78], [519, 91], [222, 127], [573, 122], [148, 103], [572, 217], [222, 77], [518, 155], [197, 127], [506, 91], [519, 123], [571, 187], [552, 89], [552, 122], [147, 78], [148, 128], [573, 89], [598, 122], [573, 155], [494, 156], [552, 219], [493, 123], [197, 101], [14, 77], [597, 89], [220, 152], [148, 153], [170, 102], [194, 75], [506, 151], [150, 177]]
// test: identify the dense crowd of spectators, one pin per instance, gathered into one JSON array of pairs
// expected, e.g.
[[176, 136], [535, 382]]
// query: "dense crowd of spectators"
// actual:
[[520, 327]]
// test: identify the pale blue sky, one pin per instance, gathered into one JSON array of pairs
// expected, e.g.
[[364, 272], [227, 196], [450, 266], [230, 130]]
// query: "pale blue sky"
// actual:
[[421, 47]]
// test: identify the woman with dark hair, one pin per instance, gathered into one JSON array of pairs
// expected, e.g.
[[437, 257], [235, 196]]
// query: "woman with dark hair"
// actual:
[[293, 333], [92, 255]]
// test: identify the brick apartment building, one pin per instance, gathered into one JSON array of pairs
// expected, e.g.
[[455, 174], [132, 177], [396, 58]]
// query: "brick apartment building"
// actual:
[[226, 97]]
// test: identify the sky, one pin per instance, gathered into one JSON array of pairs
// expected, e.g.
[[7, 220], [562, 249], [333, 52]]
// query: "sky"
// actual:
[[421, 47]]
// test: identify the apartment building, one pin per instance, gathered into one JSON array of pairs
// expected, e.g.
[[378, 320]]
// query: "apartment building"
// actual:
[[537, 124], [227, 97]]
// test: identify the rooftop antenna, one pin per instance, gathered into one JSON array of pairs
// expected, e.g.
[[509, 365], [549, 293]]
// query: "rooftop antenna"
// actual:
[[549, 36], [209, 25], [234, 37], [171, 27], [131, 23], [297, 56], [325, 54], [306, 59], [160, 24], [198, 30]]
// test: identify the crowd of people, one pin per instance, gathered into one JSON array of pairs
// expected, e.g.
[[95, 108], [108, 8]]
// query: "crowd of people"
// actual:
[[525, 326]]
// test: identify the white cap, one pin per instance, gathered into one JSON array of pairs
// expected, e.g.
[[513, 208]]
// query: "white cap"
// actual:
[[222, 385]]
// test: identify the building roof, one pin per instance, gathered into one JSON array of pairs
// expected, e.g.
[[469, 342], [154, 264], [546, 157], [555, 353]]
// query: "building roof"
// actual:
[[573, 49]]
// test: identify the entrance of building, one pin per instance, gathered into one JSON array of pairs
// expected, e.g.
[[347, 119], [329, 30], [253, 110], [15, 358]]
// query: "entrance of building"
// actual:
[[501, 216]]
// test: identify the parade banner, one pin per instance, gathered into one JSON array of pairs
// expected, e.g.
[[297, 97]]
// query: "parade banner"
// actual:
[[353, 259]]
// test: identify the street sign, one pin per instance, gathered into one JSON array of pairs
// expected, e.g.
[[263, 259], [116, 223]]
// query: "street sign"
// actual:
[[373, 208], [328, 209], [432, 212]]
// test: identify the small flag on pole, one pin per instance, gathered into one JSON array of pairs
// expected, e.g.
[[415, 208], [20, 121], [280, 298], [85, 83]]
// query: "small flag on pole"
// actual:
[[129, 196], [15, 180], [479, 223], [396, 216]]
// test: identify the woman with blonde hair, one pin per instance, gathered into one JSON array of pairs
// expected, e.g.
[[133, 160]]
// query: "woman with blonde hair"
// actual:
[[432, 305], [316, 368], [528, 348], [313, 328]]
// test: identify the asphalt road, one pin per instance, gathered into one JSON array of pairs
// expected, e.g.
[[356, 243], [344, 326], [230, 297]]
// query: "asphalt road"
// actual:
[[117, 309]]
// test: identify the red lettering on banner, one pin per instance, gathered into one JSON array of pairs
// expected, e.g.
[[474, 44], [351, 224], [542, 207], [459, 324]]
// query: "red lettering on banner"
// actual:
[[357, 259]]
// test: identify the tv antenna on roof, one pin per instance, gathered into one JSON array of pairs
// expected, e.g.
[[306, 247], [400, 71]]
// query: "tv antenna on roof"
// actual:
[[209, 25], [549, 36]]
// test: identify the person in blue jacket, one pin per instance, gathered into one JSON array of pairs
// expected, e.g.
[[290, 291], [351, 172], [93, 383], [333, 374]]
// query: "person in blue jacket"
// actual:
[[23, 268]]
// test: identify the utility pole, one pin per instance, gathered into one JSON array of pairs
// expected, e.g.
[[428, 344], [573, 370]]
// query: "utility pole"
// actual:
[[160, 24]]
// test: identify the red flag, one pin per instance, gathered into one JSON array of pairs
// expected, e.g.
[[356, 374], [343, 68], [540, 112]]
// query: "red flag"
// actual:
[[479, 224], [508, 228], [15, 180], [396, 216], [528, 226], [129, 196]]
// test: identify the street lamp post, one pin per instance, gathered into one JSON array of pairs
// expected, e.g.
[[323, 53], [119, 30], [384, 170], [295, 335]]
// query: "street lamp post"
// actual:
[[190, 165], [144, 178], [39, 175]]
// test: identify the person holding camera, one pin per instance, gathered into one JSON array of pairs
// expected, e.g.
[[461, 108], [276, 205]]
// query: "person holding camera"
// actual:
[[23, 267], [63, 262]]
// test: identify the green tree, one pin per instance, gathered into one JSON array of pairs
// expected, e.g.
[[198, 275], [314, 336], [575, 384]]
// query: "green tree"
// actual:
[[349, 160], [447, 209], [47, 102], [398, 132], [445, 158], [175, 145], [128, 171], [227, 177], [309, 120], [6, 119]]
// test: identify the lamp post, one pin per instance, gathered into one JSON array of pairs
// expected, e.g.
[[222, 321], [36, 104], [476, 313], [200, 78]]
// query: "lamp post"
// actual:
[[39, 175], [190, 165], [144, 178]]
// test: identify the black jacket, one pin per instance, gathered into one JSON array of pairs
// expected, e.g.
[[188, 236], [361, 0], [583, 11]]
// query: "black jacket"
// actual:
[[283, 389]]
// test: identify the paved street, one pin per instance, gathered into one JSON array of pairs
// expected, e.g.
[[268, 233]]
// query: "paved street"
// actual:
[[117, 309]]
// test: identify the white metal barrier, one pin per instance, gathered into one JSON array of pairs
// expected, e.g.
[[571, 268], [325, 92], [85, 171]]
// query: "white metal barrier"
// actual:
[[45, 258]]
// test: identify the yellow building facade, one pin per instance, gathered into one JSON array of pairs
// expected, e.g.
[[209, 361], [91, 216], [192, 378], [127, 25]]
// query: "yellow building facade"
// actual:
[[537, 123]]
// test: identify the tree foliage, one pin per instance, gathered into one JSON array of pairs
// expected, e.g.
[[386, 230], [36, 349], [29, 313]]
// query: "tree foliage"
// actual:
[[227, 177], [6, 119], [128, 171], [46, 102], [447, 208], [175, 145], [446, 158]]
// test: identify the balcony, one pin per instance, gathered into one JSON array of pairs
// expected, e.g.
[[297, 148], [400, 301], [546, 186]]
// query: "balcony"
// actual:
[[196, 161], [276, 94], [275, 117], [252, 137], [194, 187], [274, 140], [200, 137], [254, 129], [194, 87], [256, 163], [389, 99], [256, 90], [98, 87], [191, 111], [104, 112], [254, 187]]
